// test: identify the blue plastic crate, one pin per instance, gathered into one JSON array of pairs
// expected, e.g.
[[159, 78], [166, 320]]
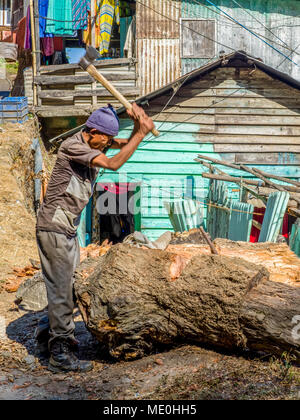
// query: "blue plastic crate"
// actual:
[[14, 119], [4, 93], [14, 109], [13, 103], [20, 113]]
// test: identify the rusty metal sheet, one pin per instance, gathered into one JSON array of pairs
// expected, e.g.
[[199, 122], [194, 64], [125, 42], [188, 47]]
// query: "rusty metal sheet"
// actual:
[[158, 63], [157, 19]]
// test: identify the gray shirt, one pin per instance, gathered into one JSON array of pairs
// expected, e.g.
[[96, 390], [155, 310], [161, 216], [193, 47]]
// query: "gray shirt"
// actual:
[[70, 187]]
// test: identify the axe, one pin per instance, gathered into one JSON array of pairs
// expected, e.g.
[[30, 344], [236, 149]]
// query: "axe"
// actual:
[[86, 63]]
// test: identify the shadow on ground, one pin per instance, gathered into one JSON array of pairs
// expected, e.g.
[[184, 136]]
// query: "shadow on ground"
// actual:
[[22, 331]]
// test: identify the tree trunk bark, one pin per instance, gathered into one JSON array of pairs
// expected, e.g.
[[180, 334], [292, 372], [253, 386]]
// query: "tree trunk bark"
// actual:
[[136, 301]]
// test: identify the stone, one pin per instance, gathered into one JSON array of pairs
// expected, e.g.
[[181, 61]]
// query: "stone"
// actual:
[[32, 295]]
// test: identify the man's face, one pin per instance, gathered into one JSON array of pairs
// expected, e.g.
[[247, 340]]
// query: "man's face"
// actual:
[[99, 140]]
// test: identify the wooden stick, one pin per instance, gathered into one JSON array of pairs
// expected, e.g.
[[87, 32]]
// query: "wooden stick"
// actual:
[[280, 178], [251, 171], [34, 69], [218, 162], [236, 180], [211, 245], [104, 82]]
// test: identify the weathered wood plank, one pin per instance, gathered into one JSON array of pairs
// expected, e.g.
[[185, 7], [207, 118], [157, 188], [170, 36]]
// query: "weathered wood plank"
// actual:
[[244, 148], [258, 120], [268, 158], [231, 102], [81, 79], [239, 83], [238, 92], [200, 110], [75, 93], [201, 118], [101, 64]]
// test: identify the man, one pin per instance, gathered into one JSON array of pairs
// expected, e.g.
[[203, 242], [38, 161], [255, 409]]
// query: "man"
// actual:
[[69, 190]]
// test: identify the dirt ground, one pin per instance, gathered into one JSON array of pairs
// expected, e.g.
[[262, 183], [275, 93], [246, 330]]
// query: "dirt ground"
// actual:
[[187, 372], [17, 224]]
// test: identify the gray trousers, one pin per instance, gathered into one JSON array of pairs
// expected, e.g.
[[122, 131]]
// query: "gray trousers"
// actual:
[[59, 257]]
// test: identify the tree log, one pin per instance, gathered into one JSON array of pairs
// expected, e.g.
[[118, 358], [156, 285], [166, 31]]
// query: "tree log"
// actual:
[[136, 301]]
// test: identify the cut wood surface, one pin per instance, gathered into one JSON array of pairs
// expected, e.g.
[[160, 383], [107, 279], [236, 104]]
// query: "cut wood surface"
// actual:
[[136, 301], [282, 264]]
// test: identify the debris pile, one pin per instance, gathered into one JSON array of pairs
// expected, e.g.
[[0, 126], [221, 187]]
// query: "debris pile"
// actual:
[[12, 284]]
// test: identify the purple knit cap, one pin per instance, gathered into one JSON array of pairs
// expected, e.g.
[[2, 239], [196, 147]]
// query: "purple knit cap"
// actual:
[[104, 120]]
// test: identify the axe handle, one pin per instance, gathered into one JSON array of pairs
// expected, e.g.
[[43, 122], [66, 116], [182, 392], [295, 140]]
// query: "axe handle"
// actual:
[[105, 83]]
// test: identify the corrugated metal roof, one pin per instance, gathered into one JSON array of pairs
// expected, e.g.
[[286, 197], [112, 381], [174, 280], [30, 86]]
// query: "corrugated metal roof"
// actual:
[[276, 208], [184, 214], [295, 238]]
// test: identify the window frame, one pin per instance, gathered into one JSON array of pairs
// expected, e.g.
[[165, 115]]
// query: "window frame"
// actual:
[[182, 20], [5, 5]]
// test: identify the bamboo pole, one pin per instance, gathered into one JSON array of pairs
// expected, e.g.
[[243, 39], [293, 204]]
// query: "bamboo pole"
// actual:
[[37, 47], [33, 44]]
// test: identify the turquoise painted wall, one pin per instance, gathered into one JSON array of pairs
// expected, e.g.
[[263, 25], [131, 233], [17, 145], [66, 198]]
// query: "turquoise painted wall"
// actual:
[[165, 166], [282, 17]]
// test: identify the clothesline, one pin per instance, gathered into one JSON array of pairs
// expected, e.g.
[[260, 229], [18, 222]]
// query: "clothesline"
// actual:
[[64, 21]]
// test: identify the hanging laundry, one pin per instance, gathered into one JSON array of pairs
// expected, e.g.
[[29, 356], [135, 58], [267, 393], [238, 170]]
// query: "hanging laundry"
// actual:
[[80, 10], [43, 13], [87, 34], [129, 47], [47, 46], [59, 16], [58, 43], [109, 10], [27, 43]]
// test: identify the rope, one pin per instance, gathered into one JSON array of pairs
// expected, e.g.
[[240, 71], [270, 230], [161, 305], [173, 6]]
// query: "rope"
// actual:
[[232, 24], [257, 20]]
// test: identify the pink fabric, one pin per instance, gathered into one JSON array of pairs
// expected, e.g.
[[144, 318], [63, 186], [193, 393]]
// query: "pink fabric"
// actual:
[[47, 45], [27, 44]]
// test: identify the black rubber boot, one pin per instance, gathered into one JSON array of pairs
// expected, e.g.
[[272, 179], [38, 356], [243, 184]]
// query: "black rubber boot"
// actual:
[[42, 336], [62, 358]]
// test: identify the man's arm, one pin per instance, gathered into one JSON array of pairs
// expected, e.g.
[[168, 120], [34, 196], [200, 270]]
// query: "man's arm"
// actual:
[[119, 143], [142, 126]]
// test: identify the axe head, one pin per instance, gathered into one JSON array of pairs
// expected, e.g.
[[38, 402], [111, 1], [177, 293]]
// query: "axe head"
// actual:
[[90, 56]]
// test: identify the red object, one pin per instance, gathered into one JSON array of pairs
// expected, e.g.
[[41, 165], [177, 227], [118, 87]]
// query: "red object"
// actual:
[[58, 43], [117, 189], [254, 236], [21, 32]]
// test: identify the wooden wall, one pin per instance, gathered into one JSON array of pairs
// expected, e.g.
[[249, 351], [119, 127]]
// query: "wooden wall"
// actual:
[[246, 116], [259, 124], [66, 86]]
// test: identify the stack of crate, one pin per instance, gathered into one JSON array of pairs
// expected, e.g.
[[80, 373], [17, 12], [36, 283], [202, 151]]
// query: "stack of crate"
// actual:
[[14, 109]]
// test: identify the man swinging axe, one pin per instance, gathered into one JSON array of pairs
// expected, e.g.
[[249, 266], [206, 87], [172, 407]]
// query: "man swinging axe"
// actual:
[[69, 190]]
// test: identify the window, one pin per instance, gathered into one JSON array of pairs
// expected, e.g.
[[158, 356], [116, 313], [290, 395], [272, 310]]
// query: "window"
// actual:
[[5, 12], [193, 45]]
